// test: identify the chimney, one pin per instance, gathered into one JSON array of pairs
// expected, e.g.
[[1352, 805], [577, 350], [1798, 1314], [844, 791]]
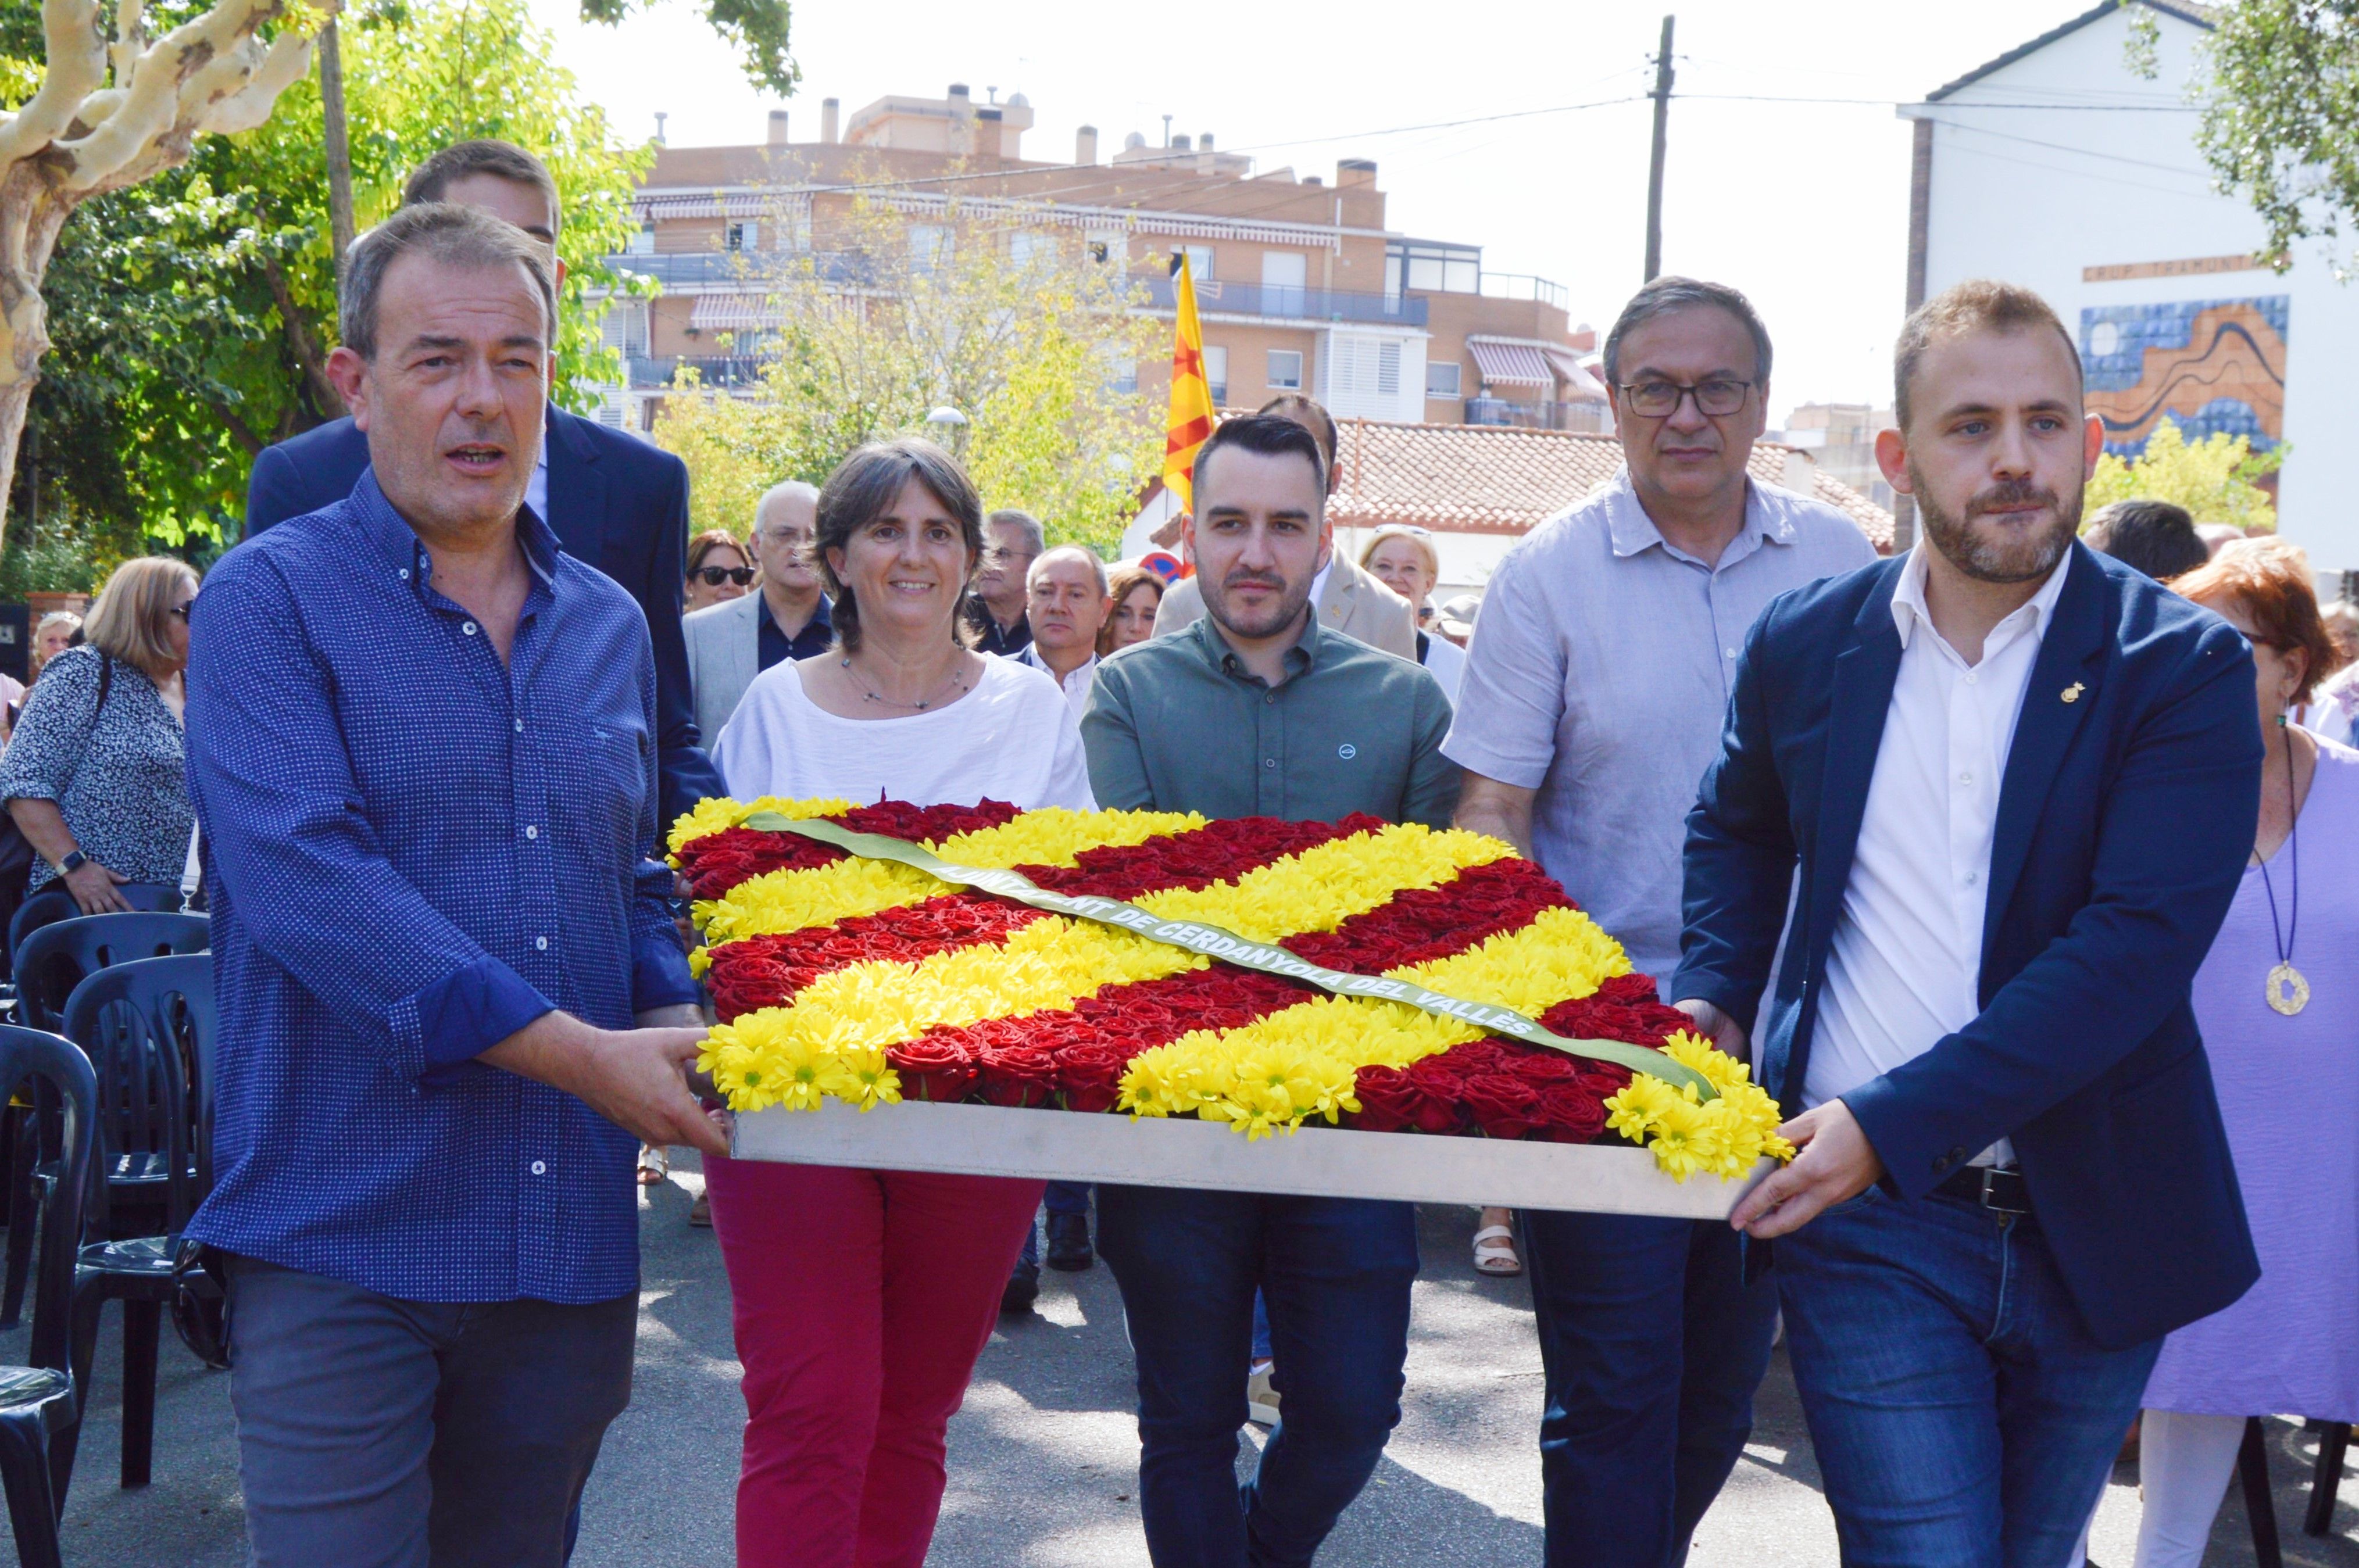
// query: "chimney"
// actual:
[[1180, 143], [828, 108], [1204, 142], [660, 117], [778, 127], [962, 105], [1350, 171], [1085, 144]]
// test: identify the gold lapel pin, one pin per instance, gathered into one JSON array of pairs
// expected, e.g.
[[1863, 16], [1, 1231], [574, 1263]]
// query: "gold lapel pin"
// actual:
[[2073, 693]]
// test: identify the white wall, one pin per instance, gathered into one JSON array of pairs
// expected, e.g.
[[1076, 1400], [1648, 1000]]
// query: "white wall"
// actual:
[[2034, 195]]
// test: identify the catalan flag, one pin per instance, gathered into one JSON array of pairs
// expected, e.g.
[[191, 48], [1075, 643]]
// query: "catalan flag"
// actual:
[[1190, 420]]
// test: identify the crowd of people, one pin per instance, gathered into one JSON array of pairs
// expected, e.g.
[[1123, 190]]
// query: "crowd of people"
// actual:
[[1988, 858]]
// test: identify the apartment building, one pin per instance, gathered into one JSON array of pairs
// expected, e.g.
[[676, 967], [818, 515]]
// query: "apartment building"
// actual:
[[1300, 284]]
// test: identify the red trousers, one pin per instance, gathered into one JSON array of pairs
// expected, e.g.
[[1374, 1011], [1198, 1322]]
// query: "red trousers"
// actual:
[[862, 1300]]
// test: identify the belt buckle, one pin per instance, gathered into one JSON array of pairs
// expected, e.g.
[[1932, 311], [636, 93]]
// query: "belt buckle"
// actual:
[[1989, 1195]]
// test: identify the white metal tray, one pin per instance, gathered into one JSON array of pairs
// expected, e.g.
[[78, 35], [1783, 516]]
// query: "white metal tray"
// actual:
[[1179, 1151]]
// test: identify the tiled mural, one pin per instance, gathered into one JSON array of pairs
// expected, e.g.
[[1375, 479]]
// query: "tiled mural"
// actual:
[[2209, 364]]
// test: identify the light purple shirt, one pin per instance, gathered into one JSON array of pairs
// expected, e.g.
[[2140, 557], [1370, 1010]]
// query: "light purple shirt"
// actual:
[[1599, 676]]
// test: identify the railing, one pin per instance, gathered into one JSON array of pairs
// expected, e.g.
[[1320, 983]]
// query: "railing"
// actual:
[[1216, 297], [748, 270], [718, 370], [1523, 285], [1588, 417]]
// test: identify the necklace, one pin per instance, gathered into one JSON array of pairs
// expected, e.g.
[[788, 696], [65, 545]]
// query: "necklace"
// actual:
[[887, 702], [2286, 992]]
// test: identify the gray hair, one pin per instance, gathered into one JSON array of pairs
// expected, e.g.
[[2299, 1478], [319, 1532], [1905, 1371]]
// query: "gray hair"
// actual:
[[445, 233], [1023, 523], [1079, 552], [1666, 293], [780, 491]]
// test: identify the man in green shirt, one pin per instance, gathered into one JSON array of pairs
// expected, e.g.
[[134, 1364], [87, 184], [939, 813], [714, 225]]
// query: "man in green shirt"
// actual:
[[1253, 712]]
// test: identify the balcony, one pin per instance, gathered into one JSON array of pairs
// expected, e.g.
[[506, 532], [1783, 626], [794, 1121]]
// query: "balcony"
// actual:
[[745, 270], [1523, 285], [1583, 417], [647, 374], [1214, 297]]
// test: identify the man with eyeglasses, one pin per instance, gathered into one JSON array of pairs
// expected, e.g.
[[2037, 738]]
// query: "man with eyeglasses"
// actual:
[[1012, 540], [1592, 701], [731, 642]]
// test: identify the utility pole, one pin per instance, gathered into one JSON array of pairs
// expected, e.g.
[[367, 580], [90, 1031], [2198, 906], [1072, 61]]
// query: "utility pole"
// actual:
[[1662, 96], [339, 143]]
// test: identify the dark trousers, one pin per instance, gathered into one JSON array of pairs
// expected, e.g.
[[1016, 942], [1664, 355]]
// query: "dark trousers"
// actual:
[[1652, 1346], [374, 1432], [1336, 1274], [1063, 1197]]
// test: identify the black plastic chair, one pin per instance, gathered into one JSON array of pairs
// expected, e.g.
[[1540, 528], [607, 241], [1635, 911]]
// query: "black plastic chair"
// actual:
[[2333, 1441], [54, 904], [54, 959], [148, 1027], [40, 1404]]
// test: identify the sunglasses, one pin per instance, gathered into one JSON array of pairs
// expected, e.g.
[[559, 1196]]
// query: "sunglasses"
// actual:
[[715, 576]]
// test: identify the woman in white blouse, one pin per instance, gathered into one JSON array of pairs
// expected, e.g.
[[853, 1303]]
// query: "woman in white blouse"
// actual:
[[862, 1298]]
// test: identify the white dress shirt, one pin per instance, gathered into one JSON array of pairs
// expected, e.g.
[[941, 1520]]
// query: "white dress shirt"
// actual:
[[535, 489], [1076, 686], [1906, 966]]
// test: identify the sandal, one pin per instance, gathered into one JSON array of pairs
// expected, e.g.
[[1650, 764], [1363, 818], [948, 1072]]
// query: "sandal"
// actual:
[[655, 1165], [1495, 1252]]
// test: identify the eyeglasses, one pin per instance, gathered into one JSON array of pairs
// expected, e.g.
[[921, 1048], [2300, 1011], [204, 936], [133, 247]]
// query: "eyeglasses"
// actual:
[[1661, 399], [715, 576], [997, 555]]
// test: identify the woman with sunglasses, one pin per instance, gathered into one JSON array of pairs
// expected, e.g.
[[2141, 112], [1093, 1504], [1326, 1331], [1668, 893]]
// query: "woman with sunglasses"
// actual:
[[718, 570], [96, 775]]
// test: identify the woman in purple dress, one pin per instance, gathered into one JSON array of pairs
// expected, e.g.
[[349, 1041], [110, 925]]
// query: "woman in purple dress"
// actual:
[[2277, 999]]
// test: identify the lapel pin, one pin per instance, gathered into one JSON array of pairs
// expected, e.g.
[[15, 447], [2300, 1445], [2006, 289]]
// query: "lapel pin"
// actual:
[[2073, 693]]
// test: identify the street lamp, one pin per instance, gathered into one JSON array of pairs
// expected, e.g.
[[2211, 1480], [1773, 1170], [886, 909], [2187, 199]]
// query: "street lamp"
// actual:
[[949, 427]]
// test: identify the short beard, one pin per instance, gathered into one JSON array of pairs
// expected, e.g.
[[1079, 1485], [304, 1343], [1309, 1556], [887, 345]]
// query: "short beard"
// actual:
[[1998, 560], [1288, 610]]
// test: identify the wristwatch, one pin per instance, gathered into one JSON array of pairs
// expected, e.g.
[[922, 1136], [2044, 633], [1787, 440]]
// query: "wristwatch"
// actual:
[[74, 862]]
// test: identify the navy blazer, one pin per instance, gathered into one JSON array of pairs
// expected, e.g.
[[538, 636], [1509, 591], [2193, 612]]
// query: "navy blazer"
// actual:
[[614, 502], [2124, 820]]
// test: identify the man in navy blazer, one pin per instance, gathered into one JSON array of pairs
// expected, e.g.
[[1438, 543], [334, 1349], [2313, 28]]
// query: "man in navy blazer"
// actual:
[[2009, 786], [614, 502]]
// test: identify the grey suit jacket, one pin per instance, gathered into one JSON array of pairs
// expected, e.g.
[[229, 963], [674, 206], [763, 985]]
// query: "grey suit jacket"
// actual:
[[724, 654], [1355, 604]]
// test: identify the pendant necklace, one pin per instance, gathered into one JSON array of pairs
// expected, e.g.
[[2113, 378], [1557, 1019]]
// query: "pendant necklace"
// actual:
[[958, 685], [2286, 992]]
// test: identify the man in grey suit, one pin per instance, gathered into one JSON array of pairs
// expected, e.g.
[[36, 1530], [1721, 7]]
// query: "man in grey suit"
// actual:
[[1347, 599], [731, 642]]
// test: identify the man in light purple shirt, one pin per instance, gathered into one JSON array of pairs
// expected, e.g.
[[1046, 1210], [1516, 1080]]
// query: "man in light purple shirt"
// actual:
[[1592, 702]]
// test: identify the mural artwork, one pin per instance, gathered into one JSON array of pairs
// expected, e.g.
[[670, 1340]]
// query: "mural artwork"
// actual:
[[2210, 365]]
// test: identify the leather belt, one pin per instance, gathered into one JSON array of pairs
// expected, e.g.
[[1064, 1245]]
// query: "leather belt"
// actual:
[[1999, 1188]]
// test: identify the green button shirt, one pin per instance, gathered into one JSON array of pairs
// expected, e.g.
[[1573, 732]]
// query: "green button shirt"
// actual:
[[1177, 723]]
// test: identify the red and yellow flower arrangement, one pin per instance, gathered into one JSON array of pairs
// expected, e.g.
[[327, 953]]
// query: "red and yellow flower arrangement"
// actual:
[[837, 976]]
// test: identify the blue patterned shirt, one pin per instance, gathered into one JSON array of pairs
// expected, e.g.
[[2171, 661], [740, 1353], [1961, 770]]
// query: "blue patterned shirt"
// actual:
[[412, 852]]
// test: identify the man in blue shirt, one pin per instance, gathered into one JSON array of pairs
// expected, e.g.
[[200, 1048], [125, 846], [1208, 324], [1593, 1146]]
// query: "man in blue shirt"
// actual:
[[422, 750]]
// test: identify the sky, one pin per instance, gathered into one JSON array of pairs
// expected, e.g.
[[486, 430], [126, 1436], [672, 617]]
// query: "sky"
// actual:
[[1803, 205]]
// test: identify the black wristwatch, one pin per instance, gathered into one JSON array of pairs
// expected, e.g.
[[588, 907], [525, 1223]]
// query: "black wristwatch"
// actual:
[[74, 862]]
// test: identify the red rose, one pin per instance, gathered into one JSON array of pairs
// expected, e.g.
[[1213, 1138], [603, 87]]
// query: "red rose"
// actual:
[[1570, 1113], [933, 1068], [1542, 1067], [1017, 1076], [1442, 1088], [1391, 1101], [1089, 1076], [1502, 1104]]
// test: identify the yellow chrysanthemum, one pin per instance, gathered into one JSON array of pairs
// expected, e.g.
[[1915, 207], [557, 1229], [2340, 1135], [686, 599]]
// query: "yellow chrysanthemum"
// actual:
[[715, 812]]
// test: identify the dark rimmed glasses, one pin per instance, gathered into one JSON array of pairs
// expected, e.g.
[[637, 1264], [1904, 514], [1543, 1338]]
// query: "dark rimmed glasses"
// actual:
[[1659, 399]]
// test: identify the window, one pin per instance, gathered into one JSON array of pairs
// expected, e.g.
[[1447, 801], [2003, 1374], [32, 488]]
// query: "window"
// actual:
[[642, 243], [1030, 248], [625, 328], [1364, 379], [1283, 275], [1431, 268], [929, 247], [1286, 370], [1200, 261], [1440, 378], [736, 237], [1216, 372]]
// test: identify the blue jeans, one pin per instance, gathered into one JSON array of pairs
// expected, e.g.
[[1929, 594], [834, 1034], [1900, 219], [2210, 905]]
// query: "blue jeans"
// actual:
[[1336, 1273], [1964, 1417], [1652, 1346], [1063, 1197], [376, 1432]]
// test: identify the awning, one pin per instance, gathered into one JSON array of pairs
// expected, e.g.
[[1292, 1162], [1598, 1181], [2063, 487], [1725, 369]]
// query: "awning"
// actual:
[[1580, 385], [1509, 364], [717, 205], [732, 313]]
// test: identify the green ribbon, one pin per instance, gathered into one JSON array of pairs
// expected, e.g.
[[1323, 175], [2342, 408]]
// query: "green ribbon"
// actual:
[[1228, 948]]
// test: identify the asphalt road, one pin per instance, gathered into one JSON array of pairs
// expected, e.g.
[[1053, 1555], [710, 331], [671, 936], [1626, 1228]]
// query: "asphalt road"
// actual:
[[1042, 1458]]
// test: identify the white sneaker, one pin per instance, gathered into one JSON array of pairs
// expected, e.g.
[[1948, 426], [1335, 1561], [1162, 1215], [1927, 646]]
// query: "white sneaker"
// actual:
[[1261, 1399]]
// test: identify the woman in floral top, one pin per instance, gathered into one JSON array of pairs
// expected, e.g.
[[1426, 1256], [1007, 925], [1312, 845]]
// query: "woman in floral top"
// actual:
[[94, 776]]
